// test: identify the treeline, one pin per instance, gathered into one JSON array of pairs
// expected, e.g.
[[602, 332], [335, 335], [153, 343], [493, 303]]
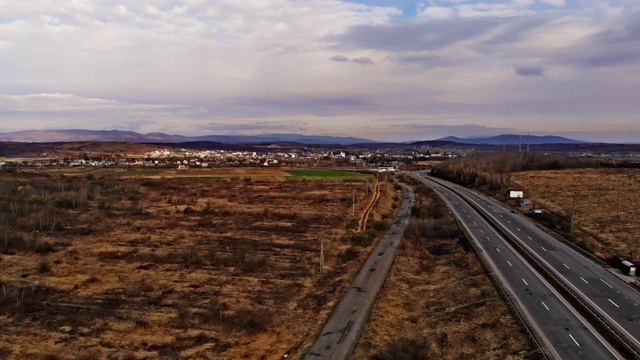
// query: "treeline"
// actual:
[[494, 169]]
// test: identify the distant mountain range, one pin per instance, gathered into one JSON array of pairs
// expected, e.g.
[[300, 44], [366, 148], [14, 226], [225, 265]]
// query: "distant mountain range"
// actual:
[[77, 135], [511, 139], [132, 136]]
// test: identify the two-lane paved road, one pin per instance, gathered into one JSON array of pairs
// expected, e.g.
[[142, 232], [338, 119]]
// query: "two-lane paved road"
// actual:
[[341, 332]]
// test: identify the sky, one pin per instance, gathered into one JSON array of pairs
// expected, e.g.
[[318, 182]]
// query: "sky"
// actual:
[[379, 69]]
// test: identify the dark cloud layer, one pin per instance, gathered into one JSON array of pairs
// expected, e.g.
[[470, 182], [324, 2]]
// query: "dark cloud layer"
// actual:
[[616, 46], [529, 71], [431, 35], [363, 60], [339, 58]]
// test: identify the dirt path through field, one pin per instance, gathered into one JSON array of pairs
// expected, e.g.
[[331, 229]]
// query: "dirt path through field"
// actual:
[[362, 223]]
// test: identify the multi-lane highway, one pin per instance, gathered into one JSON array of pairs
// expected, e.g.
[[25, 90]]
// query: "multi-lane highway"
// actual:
[[614, 300], [562, 331], [340, 333]]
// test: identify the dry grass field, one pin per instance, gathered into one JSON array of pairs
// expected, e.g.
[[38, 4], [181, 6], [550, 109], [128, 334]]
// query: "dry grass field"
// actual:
[[437, 302], [111, 267], [606, 203]]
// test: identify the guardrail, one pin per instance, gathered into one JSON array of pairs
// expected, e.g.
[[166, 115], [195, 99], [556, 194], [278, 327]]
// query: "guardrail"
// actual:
[[607, 330]]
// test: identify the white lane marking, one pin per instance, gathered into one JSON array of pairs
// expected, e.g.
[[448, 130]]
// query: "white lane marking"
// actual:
[[501, 215], [509, 263], [611, 301], [565, 265], [498, 250], [474, 222], [525, 282], [469, 216], [481, 230], [545, 305], [574, 340], [543, 248], [518, 229], [581, 278], [509, 221], [529, 237], [572, 311], [606, 283], [494, 211]]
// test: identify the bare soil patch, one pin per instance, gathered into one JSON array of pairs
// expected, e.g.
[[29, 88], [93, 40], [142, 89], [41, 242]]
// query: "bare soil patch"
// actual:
[[437, 302], [146, 268]]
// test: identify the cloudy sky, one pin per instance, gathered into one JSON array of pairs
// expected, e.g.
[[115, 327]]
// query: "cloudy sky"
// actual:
[[381, 69]]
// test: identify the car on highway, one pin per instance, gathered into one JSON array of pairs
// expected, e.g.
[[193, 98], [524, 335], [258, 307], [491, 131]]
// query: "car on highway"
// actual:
[[515, 211]]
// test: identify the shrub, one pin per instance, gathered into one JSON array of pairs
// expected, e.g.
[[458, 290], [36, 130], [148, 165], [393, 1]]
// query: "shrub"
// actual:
[[380, 225], [405, 349], [44, 266], [249, 320], [184, 316], [43, 247]]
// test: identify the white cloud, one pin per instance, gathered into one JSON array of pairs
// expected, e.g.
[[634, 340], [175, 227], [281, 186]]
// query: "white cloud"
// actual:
[[69, 103], [170, 64], [436, 12]]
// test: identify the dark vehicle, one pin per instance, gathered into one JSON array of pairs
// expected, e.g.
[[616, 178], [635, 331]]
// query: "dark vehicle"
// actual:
[[515, 211], [628, 268]]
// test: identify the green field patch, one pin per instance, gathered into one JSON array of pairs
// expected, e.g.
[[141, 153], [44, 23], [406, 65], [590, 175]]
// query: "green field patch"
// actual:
[[333, 175], [203, 178]]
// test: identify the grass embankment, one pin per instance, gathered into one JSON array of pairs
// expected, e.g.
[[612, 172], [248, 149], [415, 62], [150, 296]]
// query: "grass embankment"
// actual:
[[437, 301], [327, 175]]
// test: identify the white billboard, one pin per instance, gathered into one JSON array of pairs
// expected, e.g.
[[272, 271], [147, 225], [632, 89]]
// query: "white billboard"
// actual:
[[516, 194]]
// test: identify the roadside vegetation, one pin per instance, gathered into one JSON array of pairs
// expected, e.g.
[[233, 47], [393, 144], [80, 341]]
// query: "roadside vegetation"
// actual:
[[437, 301], [493, 170], [587, 201]]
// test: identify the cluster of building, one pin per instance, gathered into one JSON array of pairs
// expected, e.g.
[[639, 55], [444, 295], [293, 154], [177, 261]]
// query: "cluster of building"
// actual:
[[389, 158]]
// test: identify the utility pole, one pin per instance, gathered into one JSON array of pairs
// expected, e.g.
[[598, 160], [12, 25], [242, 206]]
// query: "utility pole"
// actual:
[[353, 203], [520, 143], [573, 211], [321, 253]]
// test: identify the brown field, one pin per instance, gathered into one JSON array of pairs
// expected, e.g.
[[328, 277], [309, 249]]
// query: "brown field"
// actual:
[[43, 151], [438, 303], [605, 201], [139, 268], [252, 173]]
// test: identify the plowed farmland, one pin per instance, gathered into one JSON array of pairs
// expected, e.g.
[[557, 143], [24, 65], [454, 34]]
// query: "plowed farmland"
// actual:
[[145, 268]]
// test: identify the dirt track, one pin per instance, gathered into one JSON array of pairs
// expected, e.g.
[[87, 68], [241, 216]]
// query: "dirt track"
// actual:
[[362, 222]]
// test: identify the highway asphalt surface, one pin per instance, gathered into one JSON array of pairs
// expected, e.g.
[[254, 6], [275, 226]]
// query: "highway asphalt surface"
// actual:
[[563, 332], [613, 299], [341, 332]]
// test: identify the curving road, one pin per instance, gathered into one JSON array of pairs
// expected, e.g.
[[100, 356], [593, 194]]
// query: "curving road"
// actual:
[[613, 299], [341, 332], [564, 333]]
